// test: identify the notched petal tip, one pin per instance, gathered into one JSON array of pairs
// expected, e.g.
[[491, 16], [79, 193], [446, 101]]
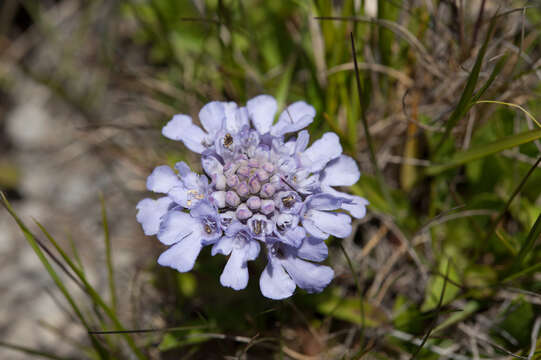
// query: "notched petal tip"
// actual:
[[162, 179], [150, 213], [181, 128], [261, 110], [275, 283], [181, 256]]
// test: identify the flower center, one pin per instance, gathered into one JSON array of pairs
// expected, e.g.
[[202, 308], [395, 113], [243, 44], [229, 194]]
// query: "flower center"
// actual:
[[254, 180]]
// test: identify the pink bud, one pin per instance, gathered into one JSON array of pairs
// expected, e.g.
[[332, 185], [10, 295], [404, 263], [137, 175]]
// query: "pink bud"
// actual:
[[254, 185], [267, 190], [231, 198], [219, 198], [254, 202], [267, 206], [261, 174], [268, 167], [243, 212], [243, 171], [232, 180], [242, 189]]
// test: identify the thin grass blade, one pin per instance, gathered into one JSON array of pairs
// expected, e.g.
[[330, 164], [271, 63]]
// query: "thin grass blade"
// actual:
[[108, 254], [479, 152], [58, 282], [468, 92]]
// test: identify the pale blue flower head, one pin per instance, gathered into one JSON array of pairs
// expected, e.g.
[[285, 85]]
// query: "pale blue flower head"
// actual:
[[263, 187]]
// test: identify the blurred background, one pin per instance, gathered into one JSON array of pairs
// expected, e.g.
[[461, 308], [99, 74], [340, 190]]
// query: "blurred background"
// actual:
[[444, 266]]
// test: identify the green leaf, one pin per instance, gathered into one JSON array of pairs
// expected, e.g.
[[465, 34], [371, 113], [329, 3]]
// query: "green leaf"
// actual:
[[437, 283], [347, 309], [481, 151], [518, 320], [469, 309], [527, 246]]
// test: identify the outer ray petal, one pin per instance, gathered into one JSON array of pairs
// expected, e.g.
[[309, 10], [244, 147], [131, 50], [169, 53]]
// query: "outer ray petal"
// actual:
[[150, 213], [336, 224], [162, 179], [308, 276], [235, 274], [181, 128], [182, 255], [261, 110], [321, 152], [212, 117], [342, 171], [275, 283], [177, 226]]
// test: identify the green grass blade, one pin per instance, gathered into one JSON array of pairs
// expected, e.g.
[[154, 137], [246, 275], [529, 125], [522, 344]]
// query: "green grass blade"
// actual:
[[495, 72], [437, 311], [369, 142], [527, 246], [96, 298], [479, 152], [468, 93], [523, 272], [108, 254], [48, 267], [515, 193], [358, 286], [30, 351]]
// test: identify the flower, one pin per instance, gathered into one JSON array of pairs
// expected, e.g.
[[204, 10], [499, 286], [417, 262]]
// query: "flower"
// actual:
[[261, 188]]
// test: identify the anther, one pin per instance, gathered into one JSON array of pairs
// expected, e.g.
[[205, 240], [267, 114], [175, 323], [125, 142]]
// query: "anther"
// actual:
[[228, 140], [288, 201]]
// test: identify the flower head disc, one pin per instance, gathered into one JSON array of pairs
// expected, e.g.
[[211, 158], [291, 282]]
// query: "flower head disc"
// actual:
[[259, 189]]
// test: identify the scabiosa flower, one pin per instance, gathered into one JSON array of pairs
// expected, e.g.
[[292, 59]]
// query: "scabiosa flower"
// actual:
[[260, 189]]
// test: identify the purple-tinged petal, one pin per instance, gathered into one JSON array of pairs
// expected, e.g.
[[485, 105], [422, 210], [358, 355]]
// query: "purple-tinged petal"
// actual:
[[235, 227], [203, 209], [212, 165], [321, 152], [178, 225], [295, 117], [183, 169], [212, 117], [179, 195], [294, 236], [251, 250], [313, 230], [218, 198], [313, 249], [150, 213], [355, 205], [336, 224], [261, 110], [235, 274], [308, 276], [342, 171], [235, 118], [162, 179], [223, 246], [324, 201], [274, 281], [302, 141], [357, 208], [181, 128], [182, 255]]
